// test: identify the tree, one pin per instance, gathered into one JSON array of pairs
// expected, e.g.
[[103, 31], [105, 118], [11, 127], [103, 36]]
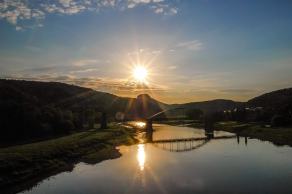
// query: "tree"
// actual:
[[90, 117], [279, 121], [194, 114]]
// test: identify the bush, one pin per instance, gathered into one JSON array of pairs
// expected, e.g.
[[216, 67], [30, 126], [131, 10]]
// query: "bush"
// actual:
[[66, 126], [279, 121], [194, 114]]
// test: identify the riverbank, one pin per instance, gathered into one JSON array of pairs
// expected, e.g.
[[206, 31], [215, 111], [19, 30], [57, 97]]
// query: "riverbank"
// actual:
[[24, 165], [278, 135]]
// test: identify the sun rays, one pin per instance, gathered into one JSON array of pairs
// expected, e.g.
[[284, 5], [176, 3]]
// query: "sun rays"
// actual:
[[140, 73]]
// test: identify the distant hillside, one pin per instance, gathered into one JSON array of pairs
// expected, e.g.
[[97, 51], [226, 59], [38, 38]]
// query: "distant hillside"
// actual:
[[276, 99], [31, 109], [58, 95], [73, 97], [212, 105]]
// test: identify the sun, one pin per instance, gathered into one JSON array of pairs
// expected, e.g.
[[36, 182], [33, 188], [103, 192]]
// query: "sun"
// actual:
[[140, 73]]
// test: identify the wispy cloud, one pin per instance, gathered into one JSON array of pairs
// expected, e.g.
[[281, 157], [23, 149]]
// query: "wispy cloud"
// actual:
[[84, 62], [164, 9], [27, 13], [193, 45], [84, 71], [145, 52], [96, 83], [83, 67]]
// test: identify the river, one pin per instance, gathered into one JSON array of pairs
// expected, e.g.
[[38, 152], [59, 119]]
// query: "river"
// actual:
[[224, 164]]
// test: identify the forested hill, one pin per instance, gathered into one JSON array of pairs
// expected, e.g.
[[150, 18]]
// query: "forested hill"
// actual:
[[52, 93], [212, 105], [71, 97], [30, 109], [275, 100]]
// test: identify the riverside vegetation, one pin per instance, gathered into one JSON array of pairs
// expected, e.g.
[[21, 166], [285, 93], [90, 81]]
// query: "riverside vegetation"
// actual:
[[276, 135], [30, 163]]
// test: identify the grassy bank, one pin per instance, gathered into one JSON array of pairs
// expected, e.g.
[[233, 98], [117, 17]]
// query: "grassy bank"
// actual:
[[278, 136], [24, 165]]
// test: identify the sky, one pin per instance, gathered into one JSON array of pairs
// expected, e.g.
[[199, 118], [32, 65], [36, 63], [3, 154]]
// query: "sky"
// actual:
[[194, 50]]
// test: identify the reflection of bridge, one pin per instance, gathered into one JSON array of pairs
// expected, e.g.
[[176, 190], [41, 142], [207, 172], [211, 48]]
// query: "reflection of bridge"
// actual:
[[185, 144], [181, 144], [191, 139]]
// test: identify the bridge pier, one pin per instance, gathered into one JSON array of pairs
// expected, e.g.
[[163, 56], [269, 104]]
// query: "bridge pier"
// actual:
[[149, 125], [209, 134], [149, 130]]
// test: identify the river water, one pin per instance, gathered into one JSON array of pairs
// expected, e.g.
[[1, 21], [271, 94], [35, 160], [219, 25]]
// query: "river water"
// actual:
[[224, 164]]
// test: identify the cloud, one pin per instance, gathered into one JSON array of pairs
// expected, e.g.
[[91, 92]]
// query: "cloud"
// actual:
[[15, 10], [41, 69], [96, 83], [145, 53], [33, 12], [134, 3], [79, 68], [193, 45], [84, 71], [159, 10], [84, 62], [164, 9], [239, 91], [66, 3]]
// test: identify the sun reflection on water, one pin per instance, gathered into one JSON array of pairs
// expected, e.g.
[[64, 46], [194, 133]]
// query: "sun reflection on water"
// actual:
[[141, 156], [140, 124]]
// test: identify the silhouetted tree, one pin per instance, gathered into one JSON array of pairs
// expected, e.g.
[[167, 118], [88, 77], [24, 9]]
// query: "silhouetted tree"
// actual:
[[194, 114], [103, 121], [279, 121]]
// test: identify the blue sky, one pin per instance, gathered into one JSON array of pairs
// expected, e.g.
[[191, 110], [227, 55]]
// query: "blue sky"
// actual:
[[194, 49]]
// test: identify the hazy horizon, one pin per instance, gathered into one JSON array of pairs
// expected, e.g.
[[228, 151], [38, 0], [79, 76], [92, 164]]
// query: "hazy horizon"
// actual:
[[192, 50]]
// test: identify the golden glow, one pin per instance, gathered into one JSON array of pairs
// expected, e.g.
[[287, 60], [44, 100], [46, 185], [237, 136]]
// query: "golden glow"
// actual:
[[141, 156], [140, 73], [140, 124]]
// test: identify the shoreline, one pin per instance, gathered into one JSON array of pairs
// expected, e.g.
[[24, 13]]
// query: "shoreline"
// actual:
[[279, 136], [24, 166]]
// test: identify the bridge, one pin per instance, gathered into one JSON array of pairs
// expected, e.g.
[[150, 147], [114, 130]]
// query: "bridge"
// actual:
[[149, 127], [181, 144]]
